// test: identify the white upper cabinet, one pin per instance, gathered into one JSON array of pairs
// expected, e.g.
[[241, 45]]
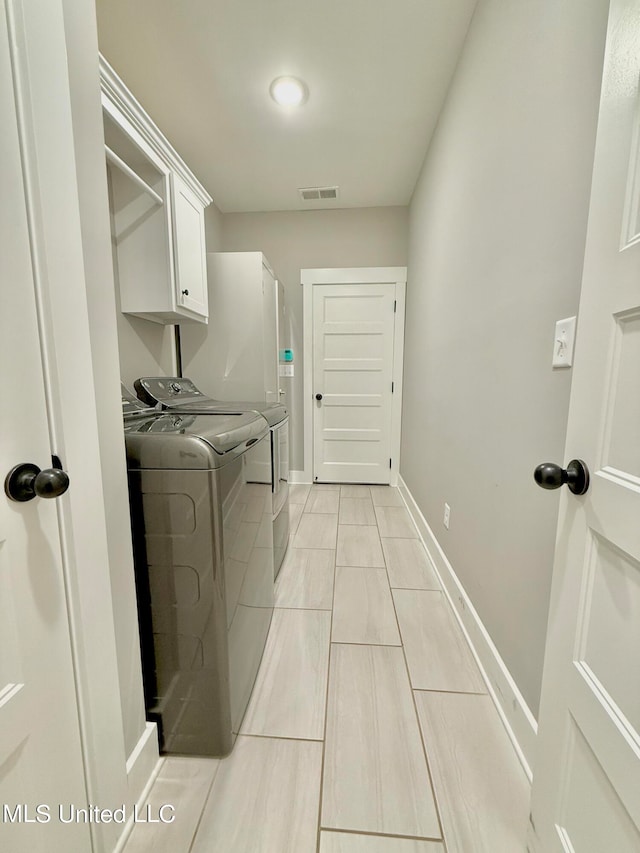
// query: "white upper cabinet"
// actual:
[[157, 214], [189, 248]]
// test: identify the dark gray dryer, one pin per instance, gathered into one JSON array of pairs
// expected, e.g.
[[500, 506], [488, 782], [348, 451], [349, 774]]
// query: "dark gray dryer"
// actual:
[[200, 493], [177, 393]]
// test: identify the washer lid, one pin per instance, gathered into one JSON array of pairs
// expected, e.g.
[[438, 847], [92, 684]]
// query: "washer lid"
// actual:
[[179, 393], [131, 405], [172, 440]]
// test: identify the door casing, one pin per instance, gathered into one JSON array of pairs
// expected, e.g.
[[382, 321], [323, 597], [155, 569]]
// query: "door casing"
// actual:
[[364, 276], [43, 54]]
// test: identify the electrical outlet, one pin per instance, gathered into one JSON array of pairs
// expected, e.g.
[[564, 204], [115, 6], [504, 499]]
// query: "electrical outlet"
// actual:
[[447, 514]]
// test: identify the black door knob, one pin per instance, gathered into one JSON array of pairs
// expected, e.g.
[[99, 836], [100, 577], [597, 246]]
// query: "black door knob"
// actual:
[[318, 396], [27, 481], [548, 475]]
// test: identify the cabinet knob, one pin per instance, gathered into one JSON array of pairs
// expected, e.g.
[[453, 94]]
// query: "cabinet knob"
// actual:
[[185, 292]]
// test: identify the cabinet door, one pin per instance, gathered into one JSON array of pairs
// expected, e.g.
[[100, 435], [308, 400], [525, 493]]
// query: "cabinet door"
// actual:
[[189, 249]]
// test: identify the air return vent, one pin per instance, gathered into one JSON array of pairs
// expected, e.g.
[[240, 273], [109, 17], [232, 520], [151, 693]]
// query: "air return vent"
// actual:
[[318, 193]]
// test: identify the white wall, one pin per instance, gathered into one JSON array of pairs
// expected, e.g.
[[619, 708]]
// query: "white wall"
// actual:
[[213, 228], [291, 241], [144, 348], [497, 232]]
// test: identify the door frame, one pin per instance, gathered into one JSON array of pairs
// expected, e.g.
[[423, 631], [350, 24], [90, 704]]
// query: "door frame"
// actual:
[[364, 276], [44, 39]]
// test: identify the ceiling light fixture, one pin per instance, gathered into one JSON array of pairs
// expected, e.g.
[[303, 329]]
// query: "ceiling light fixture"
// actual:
[[288, 91]]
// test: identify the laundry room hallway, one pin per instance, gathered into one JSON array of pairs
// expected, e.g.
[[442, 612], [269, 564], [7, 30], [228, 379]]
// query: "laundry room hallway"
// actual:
[[370, 727]]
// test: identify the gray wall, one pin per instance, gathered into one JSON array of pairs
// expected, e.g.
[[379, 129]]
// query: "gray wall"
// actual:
[[296, 240], [144, 348], [497, 232]]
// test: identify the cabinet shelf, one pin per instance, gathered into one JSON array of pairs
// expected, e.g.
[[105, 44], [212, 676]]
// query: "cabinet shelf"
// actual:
[[157, 214]]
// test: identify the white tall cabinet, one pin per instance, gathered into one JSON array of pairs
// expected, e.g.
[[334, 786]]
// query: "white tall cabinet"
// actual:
[[236, 356]]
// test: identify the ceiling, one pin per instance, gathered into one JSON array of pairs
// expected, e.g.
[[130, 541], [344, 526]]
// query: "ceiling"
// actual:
[[377, 73]]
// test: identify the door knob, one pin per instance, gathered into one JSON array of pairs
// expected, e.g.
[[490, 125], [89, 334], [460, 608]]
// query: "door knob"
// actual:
[[318, 396], [27, 481], [548, 475]]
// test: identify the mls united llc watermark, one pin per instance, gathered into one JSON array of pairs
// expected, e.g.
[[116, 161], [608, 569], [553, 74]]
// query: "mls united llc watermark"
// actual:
[[69, 813]]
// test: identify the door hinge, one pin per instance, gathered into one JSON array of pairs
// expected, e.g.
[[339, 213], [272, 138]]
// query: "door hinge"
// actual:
[[395, 305], [392, 387], [389, 463]]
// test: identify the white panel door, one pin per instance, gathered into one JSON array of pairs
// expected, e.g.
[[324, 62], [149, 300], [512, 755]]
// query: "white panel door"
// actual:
[[586, 786], [353, 337], [40, 753]]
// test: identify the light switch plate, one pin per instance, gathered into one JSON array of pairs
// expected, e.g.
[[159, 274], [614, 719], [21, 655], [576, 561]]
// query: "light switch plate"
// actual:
[[563, 342]]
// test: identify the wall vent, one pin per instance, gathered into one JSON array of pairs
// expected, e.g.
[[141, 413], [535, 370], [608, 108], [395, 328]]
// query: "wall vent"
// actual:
[[318, 193]]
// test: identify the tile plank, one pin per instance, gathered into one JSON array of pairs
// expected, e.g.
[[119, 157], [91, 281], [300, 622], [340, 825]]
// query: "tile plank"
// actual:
[[288, 698], [299, 492], [481, 788], [356, 511], [306, 579], [295, 514], [437, 653], [395, 522], [386, 496], [350, 842], [316, 530], [183, 783], [322, 500], [264, 799], [375, 773], [408, 565], [363, 608], [359, 545], [350, 491]]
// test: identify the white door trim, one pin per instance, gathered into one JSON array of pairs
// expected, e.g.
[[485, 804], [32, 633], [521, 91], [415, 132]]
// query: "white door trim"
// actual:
[[40, 59], [353, 275]]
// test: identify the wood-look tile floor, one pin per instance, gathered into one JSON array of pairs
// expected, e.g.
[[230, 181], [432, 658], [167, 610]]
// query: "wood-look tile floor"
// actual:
[[369, 729]]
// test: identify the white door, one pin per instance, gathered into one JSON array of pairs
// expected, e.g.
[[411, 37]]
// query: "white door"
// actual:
[[353, 349], [586, 786], [40, 753]]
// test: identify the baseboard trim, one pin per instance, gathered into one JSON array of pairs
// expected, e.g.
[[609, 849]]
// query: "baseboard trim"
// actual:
[[142, 761], [518, 720], [143, 765], [299, 477]]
